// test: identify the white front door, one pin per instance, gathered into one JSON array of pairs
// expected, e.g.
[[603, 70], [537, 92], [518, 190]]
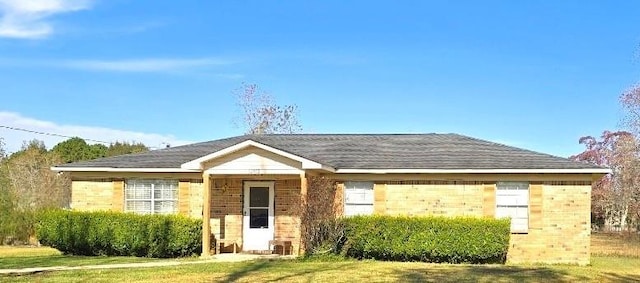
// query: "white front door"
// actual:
[[258, 220]]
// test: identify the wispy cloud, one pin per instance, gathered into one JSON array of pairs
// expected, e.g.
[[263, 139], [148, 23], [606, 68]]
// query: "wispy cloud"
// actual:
[[142, 65], [14, 138], [29, 19], [139, 65]]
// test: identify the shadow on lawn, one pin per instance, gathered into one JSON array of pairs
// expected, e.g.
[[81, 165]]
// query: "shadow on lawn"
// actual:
[[274, 266], [612, 277], [433, 273], [63, 260], [248, 268]]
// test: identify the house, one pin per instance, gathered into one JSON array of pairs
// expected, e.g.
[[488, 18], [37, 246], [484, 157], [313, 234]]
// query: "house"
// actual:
[[246, 188]]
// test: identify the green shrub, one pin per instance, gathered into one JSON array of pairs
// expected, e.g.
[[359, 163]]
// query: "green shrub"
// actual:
[[119, 234], [428, 239]]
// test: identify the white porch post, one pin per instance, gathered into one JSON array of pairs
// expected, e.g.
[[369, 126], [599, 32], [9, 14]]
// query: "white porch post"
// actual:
[[206, 216]]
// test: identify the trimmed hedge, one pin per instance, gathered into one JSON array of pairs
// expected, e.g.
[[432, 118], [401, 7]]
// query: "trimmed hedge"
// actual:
[[119, 234], [428, 239]]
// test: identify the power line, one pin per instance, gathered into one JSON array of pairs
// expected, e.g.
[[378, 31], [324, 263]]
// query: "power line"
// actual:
[[49, 134], [62, 136]]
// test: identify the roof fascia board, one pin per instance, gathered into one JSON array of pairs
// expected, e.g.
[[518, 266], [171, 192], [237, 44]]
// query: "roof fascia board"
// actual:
[[112, 169], [474, 171], [196, 164]]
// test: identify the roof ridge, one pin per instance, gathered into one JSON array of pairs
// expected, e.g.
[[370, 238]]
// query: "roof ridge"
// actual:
[[350, 134]]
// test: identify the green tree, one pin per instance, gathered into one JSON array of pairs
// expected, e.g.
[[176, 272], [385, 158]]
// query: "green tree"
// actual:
[[6, 198], [76, 149], [120, 148]]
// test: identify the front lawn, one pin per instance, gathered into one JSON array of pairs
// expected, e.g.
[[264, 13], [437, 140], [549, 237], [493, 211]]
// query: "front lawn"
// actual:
[[24, 257], [603, 269], [619, 244], [615, 259]]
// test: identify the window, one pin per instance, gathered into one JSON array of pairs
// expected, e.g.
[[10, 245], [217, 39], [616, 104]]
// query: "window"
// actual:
[[151, 196], [358, 198], [512, 200]]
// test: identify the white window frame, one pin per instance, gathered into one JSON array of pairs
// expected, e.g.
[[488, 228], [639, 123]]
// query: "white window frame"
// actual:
[[361, 205], [512, 200], [131, 184]]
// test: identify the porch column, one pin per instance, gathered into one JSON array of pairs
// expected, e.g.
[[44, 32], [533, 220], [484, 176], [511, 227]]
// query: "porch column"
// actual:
[[303, 195], [206, 216]]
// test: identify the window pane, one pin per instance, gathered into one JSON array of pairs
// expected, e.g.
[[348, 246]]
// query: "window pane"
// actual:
[[512, 211], [259, 197], [151, 196], [358, 185], [350, 210], [512, 200], [512, 197], [164, 206], [258, 218], [512, 185], [138, 206], [138, 189], [519, 224], [358, 198]]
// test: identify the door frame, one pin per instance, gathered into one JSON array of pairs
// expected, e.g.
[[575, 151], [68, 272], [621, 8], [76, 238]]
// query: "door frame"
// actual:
[[246, 230]]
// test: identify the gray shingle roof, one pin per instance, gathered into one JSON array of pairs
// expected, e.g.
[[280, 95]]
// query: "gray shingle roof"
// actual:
[[361, 151]]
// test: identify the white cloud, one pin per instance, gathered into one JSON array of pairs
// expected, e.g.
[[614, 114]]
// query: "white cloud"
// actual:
[[142, 65], [14, 138], [29, 19]]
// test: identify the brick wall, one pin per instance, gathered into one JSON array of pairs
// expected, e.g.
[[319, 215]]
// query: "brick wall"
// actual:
[[196, 197], [226, 209], [432, 198], [559, 231], [565, 233], [559, 221], [92, 195], [287, 211]]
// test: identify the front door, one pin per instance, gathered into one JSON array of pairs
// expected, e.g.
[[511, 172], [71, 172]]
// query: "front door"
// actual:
[[258, 218]]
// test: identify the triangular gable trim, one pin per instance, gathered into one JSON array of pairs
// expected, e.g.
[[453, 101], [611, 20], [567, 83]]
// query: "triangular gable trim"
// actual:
[[196, 164]]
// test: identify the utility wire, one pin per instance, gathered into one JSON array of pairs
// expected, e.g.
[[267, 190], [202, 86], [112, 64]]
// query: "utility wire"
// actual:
[[49, 134], [59, 135]]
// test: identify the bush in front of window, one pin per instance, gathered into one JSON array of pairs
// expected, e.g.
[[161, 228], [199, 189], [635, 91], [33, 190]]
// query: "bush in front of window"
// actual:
[[427, 239], [119, 234]]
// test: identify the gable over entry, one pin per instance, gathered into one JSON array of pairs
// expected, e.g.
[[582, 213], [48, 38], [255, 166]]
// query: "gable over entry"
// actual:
[[250, 157]]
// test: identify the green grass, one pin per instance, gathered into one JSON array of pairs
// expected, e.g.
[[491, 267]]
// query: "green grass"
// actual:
[[23, 257], [618, 244], [603, 269], [614, 259]]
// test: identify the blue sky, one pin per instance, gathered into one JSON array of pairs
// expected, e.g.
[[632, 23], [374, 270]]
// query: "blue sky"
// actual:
[[537, 75]]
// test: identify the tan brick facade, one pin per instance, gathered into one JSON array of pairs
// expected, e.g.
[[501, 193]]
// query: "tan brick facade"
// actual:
[[226, 209], [559, 214], [433, 198], [287, 211], [559, 211], [196, 190], [92, 195], [565, 230]]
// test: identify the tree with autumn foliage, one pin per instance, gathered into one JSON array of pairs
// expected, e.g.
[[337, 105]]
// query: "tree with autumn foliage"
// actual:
[[615, 197]]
